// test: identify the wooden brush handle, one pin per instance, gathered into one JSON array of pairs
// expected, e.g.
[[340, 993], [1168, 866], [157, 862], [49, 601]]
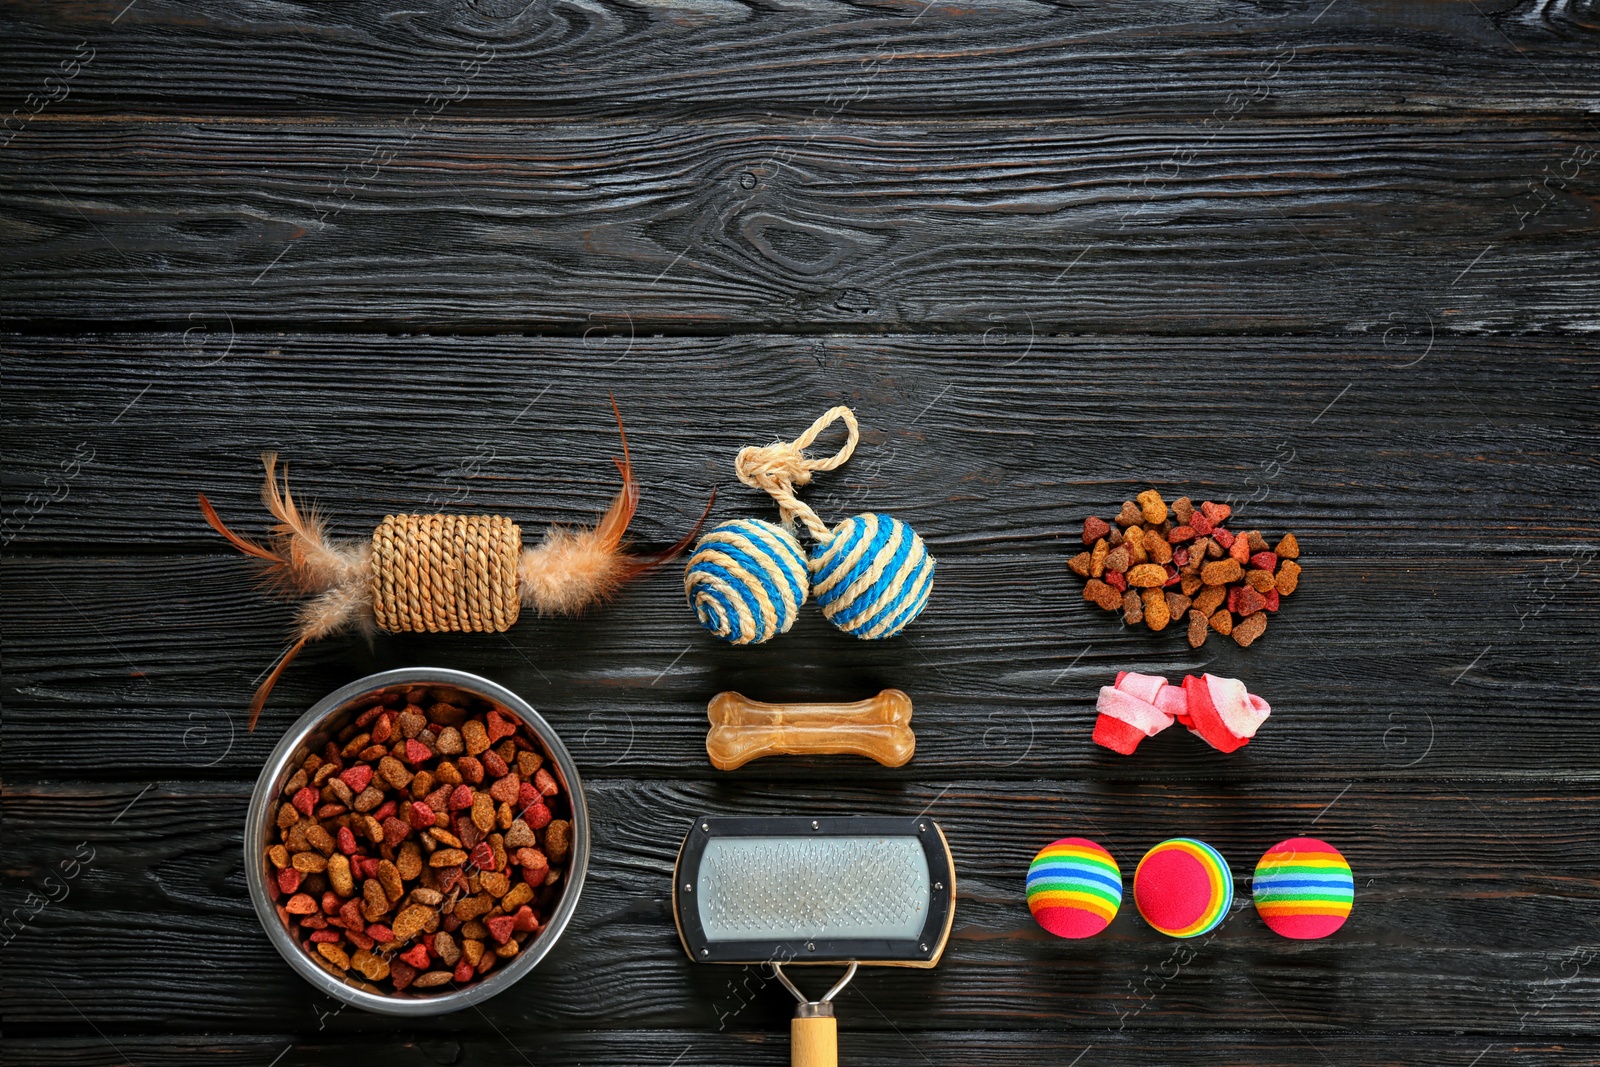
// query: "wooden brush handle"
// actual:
[[814, 1042], [743, 729]]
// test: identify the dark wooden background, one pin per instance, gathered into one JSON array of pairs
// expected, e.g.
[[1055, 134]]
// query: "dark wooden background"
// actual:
[[1336, 261]]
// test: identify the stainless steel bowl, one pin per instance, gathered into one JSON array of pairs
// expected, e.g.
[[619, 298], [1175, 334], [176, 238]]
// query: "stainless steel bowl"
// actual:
[[311, 733]]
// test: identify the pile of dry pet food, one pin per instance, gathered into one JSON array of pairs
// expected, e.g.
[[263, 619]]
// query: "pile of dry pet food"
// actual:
[[1159, 565]]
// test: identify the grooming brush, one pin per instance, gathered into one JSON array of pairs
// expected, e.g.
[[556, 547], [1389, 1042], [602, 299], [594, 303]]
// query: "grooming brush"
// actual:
[[857, 891]]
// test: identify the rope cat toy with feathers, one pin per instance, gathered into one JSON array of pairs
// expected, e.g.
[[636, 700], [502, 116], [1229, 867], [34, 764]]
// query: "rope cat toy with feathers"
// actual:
[[437, 573]]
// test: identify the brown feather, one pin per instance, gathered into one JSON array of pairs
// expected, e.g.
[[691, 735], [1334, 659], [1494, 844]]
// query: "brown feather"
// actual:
[[243, 544], [260, 700], [314, 564]]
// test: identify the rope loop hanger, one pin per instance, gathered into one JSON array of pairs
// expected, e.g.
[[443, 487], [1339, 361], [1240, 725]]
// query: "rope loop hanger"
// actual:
[[776, 469]]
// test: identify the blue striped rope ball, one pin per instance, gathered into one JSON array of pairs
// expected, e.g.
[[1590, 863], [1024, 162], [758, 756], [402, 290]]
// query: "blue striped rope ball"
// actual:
[[872, 577], [747, 580]]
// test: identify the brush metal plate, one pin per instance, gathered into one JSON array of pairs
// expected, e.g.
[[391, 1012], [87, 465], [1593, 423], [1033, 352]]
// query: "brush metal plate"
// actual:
[[756, 889]]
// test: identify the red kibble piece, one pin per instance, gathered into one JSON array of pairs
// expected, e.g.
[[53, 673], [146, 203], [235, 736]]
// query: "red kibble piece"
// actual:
[[289, 880], [313, 922], [1200, 526], [369, 864], [464, 970], [417, 753], [493, 765], [1223, 538], [1250, 601], [528, 793], [1271, 597], [537, 816], [461, 798], [483, 856], [387, 810], [403, 974], [1267, 561], [331, 810], [325, 935], [525, 921], [347, 841], [546, 782], [380, 932], [395, 831], [1179, 534], [1217, 513], [450, 924], [497, 727], [1173, 576], [1094, 528], [330, 902], [1233, 598], [273, 891], [1240, 550], [384, 729], [417, 955], [357, 777], [367, 716], [501, 927], [418, 814], [466, 830], [305, 801], [359, 939], [1180, 557], [449, 876], [1116, 581]]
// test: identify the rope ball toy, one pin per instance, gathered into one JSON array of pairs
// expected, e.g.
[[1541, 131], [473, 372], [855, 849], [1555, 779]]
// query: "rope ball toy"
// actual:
[[747, 579], [438, 573]]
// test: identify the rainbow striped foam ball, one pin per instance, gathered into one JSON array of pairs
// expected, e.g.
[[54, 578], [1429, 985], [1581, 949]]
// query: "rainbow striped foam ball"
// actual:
[[1183, 887], [872, 577], [1303, 888], [747, 580], [1074, 887]]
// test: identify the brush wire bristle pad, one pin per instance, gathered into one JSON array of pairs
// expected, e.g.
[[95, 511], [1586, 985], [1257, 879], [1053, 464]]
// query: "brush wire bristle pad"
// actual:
[[1303, 888], [1183, 887], [1074, 888], [747, 580]]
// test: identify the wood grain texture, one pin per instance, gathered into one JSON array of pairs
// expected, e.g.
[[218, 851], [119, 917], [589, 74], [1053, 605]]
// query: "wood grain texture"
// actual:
[[1015, 227], [1456, 928], [814, 57]]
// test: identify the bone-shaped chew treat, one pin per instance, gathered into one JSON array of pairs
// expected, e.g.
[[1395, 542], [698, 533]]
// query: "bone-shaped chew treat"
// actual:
[[743, 729]]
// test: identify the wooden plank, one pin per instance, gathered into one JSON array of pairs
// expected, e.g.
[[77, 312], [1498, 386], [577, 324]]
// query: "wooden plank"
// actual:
[[1458, 927], [770, 1048], [1005, 227], [163, 653], [1366, 446], [817, 57]]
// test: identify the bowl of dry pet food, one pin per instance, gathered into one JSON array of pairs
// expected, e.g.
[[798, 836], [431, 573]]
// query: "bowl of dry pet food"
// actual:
[[417, 842]]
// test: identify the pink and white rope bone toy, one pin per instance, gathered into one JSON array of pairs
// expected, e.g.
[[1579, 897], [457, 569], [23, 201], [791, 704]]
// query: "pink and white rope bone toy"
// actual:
[[1216, 710]]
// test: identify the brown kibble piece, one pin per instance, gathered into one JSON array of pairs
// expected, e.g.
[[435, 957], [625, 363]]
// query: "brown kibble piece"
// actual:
[[1288, 579], [376, 900], [309, 862], [1130, 515], [482, 811], [1097, 558], [339, 875], [1199, 626], [1210, 598], [1152, 507], [557, 840], [1261, 581], [1156, 547], [472, 949], [1119, 559], [1177, 604], [449, 742], [476, 737], [1256, 541], [373, 968], [409, 861], [1078, 564], [320, 839], [1147, 576], [1222, 622], [1156, 615], [1222, 572], [279, 856], [448, 857], [410, 921], [334, 955], [1214, 549], [430, 979], [1288, 548], [389, 875], [1132, 608], [1183, 510], [528, 763], [445, 947], [1099, 593], [1250, 628], [1189, 583]]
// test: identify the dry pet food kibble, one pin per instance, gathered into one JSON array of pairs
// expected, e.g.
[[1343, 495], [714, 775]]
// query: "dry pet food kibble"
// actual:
[[1159, 564], [423, 846]]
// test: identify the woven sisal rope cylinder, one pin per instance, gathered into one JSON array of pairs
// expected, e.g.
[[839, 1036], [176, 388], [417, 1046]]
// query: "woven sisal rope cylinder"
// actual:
[[446, 573]]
